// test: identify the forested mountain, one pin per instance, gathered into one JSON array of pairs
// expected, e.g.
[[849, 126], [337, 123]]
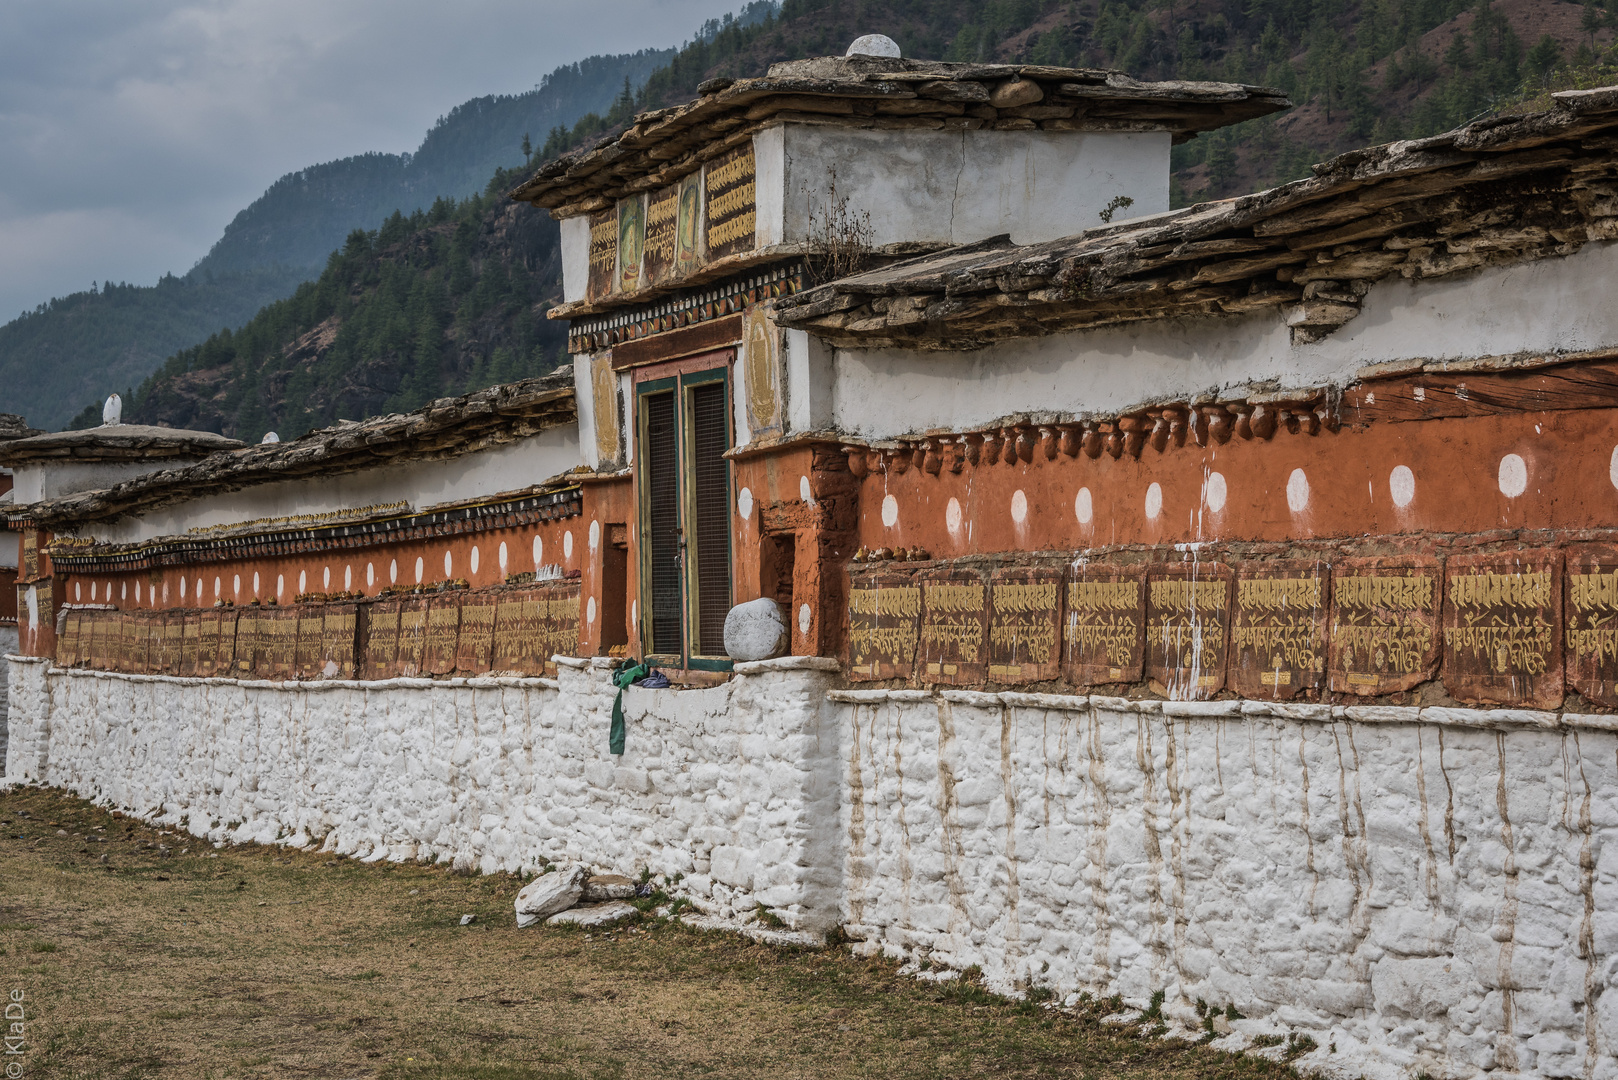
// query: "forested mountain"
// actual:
[[78, 348], [1361, 71]]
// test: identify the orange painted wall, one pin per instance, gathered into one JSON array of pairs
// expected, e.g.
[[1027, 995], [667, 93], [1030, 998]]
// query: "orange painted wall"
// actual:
[[1347, 488]]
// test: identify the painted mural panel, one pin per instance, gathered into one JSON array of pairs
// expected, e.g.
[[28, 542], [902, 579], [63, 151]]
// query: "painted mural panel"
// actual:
[[1591, 614], [339, 633], [731, 203], [1025, 624], [519, 634], [1503, 628], [173, 643], [412, 638], [662, 233], [561, 621], [443, 632], [1384, 632], [1104, 634], [311, 649], [381, 639], [762, 364], [1278, 628], [884, 625], [688, 231], [1187, 629], [208, 642], [67, 642], [476, 641], [283, 642], [603, 252], [190, 642], [631, 243], [604, 408], [954, 627]]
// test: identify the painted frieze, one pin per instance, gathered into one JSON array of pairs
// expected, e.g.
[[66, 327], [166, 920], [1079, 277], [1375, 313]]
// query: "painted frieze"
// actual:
[[1278, 628], [443, 630], [173, 630], [884, 625], [282, 624], [1104, 633], [1025, 624], [1591, 614], [560, 615], [475, 644], [603, 252], [1502, 628], [761, 362], [339, 634], [1384, 625], [1187, 629], [67, 642], [662, 233], [954, 627], [519, 634], [731, 203], [190, 642]]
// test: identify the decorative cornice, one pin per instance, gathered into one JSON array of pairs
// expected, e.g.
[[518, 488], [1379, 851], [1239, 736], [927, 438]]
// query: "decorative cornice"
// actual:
[[598, 332]]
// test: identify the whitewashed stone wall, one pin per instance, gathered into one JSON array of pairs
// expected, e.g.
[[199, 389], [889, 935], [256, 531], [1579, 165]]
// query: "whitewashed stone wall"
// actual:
[[1428, 894], [1429, 891], [731, 787]]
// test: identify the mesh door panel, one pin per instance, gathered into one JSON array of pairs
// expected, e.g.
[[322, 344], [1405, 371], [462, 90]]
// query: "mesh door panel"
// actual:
[[710, 472], [663, 521]]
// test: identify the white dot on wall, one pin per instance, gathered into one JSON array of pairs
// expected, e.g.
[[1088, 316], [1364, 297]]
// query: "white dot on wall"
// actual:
[[590, 611], [393, 571], [92, 590], [890, 511], [539, 551], [421, 568], [199, 590], [1214, 491], [165, 592], [595, 535], [325, 578], [78, 592], [449, 565], [502, 558], [744, 503], [303, 581], [474, 559], [255, 582], [1297, 491], [952, 515], [370, 573], [280, 585], [183, 586], [1513, 476], [804, 491], [634, 612], [137, 592], [567, 544], [1402, 485], [1612, 467], [237, 585], [215, 589], [123, 591], [1083, 508], [805, 617], [1154, 501], [1019, 506], [348, 578]]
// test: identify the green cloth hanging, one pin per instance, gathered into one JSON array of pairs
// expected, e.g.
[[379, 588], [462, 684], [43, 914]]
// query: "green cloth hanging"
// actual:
[[621, 678]]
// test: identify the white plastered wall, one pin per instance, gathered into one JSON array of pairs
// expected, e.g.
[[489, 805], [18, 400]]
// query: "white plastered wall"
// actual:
[[584, 398], [509, 467], [1546, 306], [811, 373], [36, 480], [956, 187], [575, 257]]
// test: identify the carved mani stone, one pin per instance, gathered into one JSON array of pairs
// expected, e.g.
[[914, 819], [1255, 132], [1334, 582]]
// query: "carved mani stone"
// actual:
[[1384, 634], [1503, 628], [1592, 623], [1104, 633], [954, 627], [1187, 622], [1278, 629], [884, 625], [1025, 625]]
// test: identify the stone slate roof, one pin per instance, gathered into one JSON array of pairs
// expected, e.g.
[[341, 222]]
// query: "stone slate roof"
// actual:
[[115, 442], [13, 426], [1499, 190], [882, 92], [448, 427]]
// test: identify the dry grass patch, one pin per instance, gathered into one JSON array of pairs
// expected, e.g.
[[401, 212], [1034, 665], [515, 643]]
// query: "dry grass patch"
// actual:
[[254, 961]]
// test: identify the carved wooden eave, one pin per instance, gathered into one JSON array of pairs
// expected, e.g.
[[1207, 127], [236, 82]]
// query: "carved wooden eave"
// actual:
[[1502, 190], [881, 92], [446, 428]]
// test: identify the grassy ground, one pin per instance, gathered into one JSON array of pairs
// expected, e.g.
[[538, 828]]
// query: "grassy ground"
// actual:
[[252, 961]]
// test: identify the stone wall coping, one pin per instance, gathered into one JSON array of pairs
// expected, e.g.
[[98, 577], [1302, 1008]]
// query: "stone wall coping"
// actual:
[[788, 663], [399, 683], [1045, 701], [18, 659], [1203, 708], [873, 697]]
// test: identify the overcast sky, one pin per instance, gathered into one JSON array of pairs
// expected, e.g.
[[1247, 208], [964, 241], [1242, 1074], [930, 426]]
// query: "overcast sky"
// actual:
[[132, 131]]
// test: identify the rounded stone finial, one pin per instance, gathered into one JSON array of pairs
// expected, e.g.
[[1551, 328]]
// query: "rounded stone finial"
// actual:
[[113, 411], [873, 45], [270, 437]]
